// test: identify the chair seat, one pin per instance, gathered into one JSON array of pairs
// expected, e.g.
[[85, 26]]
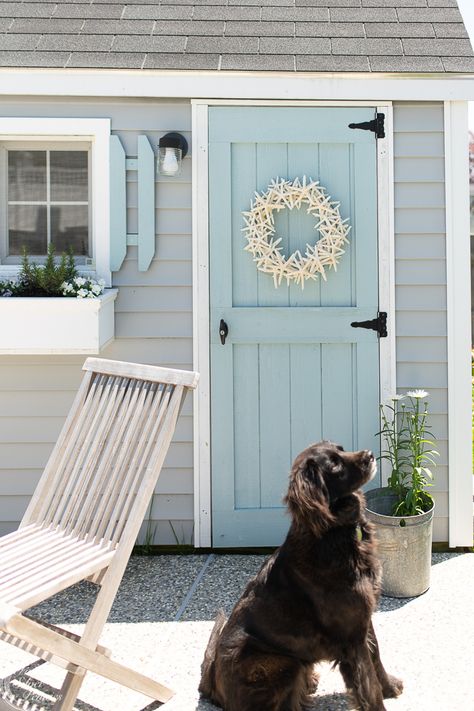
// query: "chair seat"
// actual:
[[36, 562]]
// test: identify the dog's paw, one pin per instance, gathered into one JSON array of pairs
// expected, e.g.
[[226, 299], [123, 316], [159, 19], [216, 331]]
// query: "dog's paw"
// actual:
[[313, 682], [393, 688]]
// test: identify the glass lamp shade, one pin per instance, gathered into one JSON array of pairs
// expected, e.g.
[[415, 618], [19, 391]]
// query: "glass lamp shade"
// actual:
[[170, 161]]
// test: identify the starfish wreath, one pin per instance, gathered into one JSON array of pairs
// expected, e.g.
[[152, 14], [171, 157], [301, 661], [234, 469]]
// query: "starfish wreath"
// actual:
[[264, 245]]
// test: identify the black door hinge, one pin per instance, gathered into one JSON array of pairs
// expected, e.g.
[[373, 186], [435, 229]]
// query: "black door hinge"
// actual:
[[377, 126], [378, 324]]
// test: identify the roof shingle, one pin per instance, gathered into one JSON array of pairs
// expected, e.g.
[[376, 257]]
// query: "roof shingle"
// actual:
[[241, 35]]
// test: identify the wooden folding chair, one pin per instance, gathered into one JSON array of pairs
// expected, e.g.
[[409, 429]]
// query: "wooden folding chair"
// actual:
[[85, 514]]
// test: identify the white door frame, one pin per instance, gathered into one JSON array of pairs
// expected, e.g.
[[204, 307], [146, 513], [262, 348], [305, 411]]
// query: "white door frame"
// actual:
[[200, 256]]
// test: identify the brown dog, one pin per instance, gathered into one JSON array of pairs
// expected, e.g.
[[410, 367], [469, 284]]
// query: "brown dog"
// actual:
[[312, 600]]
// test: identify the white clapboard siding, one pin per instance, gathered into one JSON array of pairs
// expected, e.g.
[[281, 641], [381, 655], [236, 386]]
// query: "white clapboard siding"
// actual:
[[153, 324], [420, 238]]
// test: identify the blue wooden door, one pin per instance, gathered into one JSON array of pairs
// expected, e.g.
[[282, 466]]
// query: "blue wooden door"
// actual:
[[292, 370]]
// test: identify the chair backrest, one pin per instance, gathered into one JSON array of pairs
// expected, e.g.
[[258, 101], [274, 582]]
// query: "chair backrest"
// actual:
[[103, 469]]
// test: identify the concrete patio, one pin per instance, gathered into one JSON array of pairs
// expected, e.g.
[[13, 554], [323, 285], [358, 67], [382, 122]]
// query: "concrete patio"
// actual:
[[163, 615]]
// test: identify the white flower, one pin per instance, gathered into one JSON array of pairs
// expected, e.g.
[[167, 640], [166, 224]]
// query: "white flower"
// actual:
[[82, 293], [67, 287], [417, 394], [96, 289], [395, 398], [79, 281]]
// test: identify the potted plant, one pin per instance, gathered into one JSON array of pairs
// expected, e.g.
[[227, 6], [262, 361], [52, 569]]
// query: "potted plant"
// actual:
[[403, 510], [51, 308]]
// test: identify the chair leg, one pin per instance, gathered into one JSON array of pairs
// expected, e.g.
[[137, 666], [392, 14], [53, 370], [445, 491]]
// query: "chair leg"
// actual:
[[69, 691], [73, 680]]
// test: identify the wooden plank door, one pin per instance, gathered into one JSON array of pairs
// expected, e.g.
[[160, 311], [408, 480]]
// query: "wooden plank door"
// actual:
[[292, 370]]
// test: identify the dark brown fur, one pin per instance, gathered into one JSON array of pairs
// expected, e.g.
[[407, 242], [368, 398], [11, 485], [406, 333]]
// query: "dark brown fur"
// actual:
[[312, 600]]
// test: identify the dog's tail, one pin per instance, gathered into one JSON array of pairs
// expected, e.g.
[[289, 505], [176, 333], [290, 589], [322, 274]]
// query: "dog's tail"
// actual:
[[208, 686]]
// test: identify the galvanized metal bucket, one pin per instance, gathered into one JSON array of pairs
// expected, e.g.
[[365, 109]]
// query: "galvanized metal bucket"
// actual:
[[404, 545]]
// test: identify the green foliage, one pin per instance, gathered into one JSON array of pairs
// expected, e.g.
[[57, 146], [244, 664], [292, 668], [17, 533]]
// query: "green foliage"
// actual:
[[409, 447], [41, 279]]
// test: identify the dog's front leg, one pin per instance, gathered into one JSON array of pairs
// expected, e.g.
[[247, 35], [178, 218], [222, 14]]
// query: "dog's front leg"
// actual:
[[391, 686], [361, 678]]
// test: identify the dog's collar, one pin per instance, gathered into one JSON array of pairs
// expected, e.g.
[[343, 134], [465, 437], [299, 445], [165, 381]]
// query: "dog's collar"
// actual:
[[358, 532]]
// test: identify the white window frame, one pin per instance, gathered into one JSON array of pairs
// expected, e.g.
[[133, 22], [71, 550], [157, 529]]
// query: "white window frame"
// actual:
[[46, 146], [97, 133]]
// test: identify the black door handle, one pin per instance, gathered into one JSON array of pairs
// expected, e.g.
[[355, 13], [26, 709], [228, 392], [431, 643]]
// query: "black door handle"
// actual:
[[223, 331]]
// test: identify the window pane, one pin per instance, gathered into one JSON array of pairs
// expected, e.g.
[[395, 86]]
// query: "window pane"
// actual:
[[27, 228], [69, 175], [26, 175], [69, 228]]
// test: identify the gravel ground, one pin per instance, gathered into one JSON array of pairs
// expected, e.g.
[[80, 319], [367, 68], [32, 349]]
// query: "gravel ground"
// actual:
[[163, 614]]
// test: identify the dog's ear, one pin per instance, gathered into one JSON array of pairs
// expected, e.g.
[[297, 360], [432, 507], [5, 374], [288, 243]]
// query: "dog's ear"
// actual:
[[308, 498]]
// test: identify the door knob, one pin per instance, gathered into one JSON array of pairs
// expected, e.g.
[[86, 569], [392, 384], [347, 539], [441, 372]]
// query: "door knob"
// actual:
[[223, 331]]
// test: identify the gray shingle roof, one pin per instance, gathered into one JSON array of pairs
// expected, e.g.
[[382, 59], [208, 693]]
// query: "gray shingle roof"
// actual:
[[261, 35]]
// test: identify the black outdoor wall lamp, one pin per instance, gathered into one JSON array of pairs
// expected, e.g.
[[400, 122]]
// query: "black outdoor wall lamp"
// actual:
[[172, 149]]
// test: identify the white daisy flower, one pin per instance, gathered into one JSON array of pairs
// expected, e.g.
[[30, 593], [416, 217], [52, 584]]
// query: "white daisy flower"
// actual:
[[417, 394], [397, 397]]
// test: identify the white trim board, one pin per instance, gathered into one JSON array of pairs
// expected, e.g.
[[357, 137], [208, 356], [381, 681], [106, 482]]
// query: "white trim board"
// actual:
[[386, 229], [201, 350], [459, 322], [201, 363], [366, 86]]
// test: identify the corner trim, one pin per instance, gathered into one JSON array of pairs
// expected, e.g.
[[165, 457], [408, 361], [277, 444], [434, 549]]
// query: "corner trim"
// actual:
[[458, 279]]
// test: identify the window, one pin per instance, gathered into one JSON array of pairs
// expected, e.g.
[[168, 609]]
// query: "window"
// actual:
[[47, 200], [54, 189]]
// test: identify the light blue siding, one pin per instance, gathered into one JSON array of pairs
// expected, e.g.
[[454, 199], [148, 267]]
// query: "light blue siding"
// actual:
[[153, 318], [146, 203], [421, 272], [154, 308]]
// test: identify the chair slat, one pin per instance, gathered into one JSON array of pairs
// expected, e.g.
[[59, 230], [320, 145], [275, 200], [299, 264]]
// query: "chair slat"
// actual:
[[88, 476], [14, 539], [109, 483], [82, 467], [138, 464], [150, 373], [139, 504], [38, 559], [69, 570], [46, 484], [55, 484]]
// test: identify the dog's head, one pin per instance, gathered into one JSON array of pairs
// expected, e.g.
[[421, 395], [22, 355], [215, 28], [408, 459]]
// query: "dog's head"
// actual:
[[322, 479]]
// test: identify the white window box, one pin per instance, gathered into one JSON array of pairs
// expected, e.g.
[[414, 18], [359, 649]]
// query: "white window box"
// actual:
[[44, 325]]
